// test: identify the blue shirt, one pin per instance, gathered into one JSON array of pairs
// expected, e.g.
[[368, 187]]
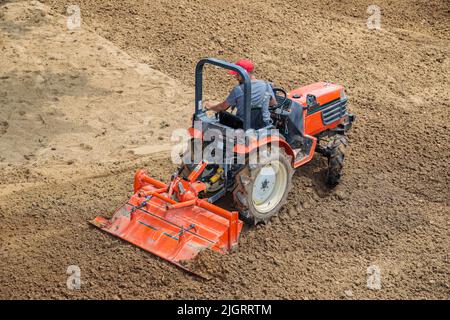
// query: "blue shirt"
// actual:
[[261, 93]]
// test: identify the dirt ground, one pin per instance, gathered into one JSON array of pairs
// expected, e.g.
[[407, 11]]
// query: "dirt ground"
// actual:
[[81, 110]]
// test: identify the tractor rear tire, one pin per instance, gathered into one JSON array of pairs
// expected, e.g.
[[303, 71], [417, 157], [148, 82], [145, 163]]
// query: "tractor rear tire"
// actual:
[[336, 157], [262, 189]]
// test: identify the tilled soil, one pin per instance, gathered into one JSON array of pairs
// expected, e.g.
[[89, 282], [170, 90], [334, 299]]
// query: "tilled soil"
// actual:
[[391, 210]]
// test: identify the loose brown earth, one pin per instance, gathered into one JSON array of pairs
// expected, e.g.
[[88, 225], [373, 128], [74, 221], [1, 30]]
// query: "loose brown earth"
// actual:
[[78, 116]]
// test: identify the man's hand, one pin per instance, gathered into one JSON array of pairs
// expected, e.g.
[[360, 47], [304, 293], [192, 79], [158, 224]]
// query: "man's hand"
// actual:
[[273, 102], [208, 105]]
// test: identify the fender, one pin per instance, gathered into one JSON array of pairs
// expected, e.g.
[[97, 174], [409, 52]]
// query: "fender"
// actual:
[[310, 155], [254, 144]]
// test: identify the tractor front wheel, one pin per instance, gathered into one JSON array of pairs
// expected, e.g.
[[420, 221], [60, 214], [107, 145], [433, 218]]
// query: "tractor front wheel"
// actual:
[[336, 148]]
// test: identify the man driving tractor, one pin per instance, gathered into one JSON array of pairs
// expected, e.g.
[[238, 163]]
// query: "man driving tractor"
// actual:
[[262, 95]]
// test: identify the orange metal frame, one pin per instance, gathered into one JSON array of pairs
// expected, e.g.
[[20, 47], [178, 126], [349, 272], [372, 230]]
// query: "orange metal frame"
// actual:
[[173, 230]]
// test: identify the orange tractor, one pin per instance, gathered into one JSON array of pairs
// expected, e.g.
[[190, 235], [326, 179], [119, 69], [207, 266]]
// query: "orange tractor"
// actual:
[[249, 162]]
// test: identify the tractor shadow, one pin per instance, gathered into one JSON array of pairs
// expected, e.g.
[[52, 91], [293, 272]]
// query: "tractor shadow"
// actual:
[[309, 177], [313, 176]]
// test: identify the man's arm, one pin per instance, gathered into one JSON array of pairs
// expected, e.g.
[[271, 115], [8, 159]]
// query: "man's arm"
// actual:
[[229, 101], [273, 100], [218, 107]]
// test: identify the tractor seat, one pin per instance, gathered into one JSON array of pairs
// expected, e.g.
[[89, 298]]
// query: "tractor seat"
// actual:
[[230, 120]]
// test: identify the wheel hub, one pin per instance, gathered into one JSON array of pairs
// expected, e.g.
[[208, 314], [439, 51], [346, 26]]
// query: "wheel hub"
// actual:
[[269, 187], [264, 185]]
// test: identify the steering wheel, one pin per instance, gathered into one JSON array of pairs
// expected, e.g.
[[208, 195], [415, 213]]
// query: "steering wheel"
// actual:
[[285, 98]]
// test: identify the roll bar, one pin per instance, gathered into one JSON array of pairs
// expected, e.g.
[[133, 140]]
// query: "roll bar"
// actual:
[[228, 66]]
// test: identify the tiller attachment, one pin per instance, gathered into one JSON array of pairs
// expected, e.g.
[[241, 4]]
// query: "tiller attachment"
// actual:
[[171, 221]]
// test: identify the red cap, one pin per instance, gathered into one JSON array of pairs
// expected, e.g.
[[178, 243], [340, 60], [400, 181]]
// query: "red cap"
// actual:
[[244, 63]]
